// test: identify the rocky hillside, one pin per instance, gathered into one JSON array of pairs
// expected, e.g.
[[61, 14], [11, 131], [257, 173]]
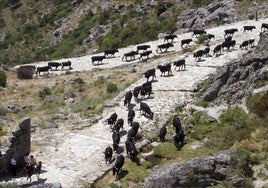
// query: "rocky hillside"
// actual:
[[232, 85], [35, 31]]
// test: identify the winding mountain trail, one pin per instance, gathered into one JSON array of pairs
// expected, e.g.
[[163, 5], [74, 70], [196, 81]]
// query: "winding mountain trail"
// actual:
[[76, 156]]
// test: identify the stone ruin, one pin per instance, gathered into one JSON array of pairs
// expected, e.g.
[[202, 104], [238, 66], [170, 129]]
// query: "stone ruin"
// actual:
[[19, 145]]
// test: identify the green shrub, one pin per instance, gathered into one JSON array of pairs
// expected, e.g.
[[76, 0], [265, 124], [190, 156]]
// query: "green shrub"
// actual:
[[235, 125], [243, 158], [45, 91], [3, 79], [165, 150], [3, 111], [25, 72], [258, 104], [201, 39], [111, 87]]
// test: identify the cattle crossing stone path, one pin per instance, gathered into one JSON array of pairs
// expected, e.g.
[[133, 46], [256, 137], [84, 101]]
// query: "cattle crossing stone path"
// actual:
[[76, 156]]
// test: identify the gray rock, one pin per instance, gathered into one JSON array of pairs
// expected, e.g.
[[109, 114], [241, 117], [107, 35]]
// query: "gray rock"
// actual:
[[199, 172], [51, 125]]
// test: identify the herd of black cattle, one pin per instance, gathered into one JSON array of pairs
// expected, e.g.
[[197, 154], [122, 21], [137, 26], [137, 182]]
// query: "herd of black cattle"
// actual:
[[116, 124], [143, 51], [146, 89]]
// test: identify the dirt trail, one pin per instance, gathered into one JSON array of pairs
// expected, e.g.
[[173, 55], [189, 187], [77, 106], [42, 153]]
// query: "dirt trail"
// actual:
[[75, 157]]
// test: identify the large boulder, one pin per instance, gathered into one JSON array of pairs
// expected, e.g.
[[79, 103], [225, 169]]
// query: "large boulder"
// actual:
[[213, 14], [203, 172]]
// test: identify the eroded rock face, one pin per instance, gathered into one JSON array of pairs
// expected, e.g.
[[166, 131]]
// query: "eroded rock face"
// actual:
[[215, 13], [236, 80], [200, 172]]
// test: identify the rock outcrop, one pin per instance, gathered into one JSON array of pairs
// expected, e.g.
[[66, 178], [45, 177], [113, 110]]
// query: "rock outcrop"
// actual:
[[203, 172], [18, 146], [213, 14], [238, 79]]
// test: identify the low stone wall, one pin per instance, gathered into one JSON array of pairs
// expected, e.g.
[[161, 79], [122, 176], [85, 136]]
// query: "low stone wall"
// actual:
[[19, 145]]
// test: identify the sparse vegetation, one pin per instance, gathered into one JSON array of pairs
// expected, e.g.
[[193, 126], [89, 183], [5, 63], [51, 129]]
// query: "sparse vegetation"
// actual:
[[3, 79]]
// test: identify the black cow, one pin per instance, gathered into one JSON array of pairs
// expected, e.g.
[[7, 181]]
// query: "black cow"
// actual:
[[198, 54], [206, 51], [164, 47], [97, 59], [119, 163], [210, 36], [217, 49], [264, 26], [135, 126], [66, 64], [228, 38], [229, 32], [177, 123], [116, 140], [54, 64], [144, 108], [251, 42], [131, 133], [186, 41], [130, 54], [136, 92], [150, 73], [248, 28], [169, 37], [179, 139], [131, 149], [128, 98], [143, 47], [112, 119], [244, 44], [43, 69], [162, 134], [110, 53], [108, 154], [145, 54], [179, 63], [118, 125], [228, 45], [146, 88], [164, 69], [198, 32], [130, 115]]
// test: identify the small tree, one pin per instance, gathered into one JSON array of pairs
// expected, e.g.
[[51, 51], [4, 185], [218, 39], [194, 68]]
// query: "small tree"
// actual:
[[25, 72], [3, 79]]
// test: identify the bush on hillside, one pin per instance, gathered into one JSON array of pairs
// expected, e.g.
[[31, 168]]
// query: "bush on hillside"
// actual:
[[258, 104], [45, 91], [111, 88], [25, 72], [3, 79]]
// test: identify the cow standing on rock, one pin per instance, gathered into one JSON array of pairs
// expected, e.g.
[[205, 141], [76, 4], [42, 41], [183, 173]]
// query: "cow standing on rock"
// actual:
[[112, 119], [119, 163], [164, 69], [131, 149], [116, 140], [179, 63], [128, 98], [108, 154], [162, 134], [177, 124], [150, 73], [130, 115], [145, 109]]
